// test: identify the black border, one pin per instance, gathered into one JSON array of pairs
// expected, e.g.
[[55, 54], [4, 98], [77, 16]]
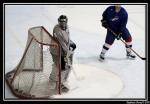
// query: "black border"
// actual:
[[125, 99], [2, 52]]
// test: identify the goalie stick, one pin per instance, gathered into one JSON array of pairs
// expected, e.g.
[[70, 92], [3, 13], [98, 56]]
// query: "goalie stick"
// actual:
[[68, 64]]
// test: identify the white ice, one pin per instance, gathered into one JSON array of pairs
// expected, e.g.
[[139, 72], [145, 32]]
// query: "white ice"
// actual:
[[88, 34]]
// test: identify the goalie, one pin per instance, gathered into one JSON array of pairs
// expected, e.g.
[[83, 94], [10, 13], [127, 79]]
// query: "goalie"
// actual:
[[61, 33]]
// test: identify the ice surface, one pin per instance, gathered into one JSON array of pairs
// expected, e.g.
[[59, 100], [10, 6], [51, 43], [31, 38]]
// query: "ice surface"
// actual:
[[89, 36]]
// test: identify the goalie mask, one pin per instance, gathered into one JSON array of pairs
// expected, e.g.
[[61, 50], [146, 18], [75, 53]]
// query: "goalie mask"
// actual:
[[62, 20]]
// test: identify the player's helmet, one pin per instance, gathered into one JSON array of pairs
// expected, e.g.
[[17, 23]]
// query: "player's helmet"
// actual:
[[62, 20]]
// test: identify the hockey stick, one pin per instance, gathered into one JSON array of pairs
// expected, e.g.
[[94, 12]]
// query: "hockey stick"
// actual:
[[68, 63], [77, 77], [143, 58]]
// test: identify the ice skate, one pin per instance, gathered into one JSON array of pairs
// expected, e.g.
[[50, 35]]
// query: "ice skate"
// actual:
[[102, 57], [64, 89], [130, 56]]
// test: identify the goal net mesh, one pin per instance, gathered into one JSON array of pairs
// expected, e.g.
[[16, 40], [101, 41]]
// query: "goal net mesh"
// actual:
[[30, 78]]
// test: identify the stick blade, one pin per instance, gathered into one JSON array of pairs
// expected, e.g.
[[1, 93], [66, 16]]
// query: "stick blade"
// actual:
[[143, 58]]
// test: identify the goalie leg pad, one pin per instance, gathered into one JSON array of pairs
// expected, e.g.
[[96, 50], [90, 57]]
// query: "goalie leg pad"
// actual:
[[64, 75]]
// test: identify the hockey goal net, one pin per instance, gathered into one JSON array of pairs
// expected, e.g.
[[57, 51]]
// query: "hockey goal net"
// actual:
[[30, 78]]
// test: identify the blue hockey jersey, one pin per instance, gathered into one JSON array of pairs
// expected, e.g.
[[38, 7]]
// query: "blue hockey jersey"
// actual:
[[116, 21]]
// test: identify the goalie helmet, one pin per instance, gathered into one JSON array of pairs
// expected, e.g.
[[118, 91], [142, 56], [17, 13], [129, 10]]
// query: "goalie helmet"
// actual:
[[62, 20]]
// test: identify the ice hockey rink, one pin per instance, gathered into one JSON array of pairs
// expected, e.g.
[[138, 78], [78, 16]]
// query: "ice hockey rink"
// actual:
[[115, 78]]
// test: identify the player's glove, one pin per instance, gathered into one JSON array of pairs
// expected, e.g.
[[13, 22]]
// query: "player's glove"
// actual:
[[70, 52], [104, 23], [118, 36], [73, 46]]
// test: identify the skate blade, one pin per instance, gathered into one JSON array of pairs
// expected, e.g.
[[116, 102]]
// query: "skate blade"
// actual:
[[101, 60], [130, 58]]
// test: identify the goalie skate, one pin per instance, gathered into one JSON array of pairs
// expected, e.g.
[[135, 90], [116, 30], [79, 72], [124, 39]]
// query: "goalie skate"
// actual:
[[64, 89]]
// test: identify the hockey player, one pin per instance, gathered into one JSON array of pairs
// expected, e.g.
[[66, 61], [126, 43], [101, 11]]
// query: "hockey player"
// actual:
[[116, 17], [61, 33]]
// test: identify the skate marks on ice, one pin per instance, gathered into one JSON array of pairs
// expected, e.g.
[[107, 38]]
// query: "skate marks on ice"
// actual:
[[96, 83]]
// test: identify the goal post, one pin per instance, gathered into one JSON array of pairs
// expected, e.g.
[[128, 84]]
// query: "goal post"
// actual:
[[30, 78]]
